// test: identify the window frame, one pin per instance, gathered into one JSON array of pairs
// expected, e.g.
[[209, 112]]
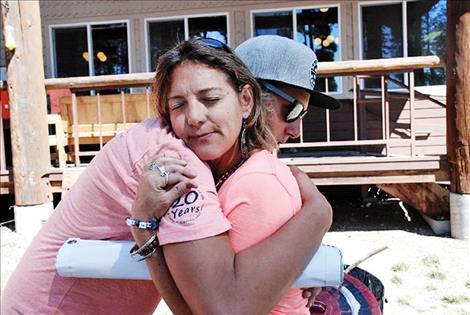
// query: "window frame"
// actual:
[[362, 4], [88, 25], [294, 25], [404, 13], [185, 19]]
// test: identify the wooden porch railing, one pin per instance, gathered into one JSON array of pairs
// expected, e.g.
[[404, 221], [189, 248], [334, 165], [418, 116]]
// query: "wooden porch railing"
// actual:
[[98, 108], [367, 69], [93, 120]]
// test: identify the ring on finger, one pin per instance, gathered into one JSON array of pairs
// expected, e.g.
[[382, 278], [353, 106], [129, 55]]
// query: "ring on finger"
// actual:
[[161, 168]]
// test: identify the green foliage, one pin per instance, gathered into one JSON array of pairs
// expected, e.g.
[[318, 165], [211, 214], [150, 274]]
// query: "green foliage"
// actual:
[[454, 299], [436, 275], [396, 280], [430, 261], [404, 300], [400, 267]]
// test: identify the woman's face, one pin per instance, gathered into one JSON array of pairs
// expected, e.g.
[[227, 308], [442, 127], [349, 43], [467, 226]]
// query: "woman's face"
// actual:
[[206, 112]]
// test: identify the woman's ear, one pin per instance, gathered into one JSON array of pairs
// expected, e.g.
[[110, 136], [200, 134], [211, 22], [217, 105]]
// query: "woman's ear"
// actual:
[[246, 100]]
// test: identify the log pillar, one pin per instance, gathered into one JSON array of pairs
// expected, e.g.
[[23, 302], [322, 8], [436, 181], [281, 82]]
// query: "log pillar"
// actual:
[[458, 115], [28, 113]]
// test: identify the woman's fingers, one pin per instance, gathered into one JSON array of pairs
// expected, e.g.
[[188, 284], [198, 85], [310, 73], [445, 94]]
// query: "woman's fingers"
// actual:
[[308, 190], [185, 171], [180, 189], [170, 165], [161, 159], [175, 178], [310, 294]]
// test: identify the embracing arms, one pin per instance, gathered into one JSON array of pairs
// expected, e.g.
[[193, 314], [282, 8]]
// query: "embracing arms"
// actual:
[[213, 279]]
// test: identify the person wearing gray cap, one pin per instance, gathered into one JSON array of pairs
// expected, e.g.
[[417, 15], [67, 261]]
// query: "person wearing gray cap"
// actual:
[[286, 71]]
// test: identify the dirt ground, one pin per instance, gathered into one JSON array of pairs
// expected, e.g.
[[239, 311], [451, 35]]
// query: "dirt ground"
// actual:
[[422, 273]]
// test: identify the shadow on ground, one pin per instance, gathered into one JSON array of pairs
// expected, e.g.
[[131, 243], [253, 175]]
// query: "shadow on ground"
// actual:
[[351, 211], [373, 212]]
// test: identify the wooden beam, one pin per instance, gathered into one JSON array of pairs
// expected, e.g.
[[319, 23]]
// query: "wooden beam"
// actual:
[[428, 198], [102, 81], [352, 67], [357, 67], [458, 94], [28, 115]]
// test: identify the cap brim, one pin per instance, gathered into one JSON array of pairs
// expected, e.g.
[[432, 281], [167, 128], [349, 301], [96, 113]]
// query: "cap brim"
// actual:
[[321, 100]]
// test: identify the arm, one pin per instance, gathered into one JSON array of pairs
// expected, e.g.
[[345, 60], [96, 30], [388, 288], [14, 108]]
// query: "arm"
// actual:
[[213, 279], [161, 276], [151, 191]]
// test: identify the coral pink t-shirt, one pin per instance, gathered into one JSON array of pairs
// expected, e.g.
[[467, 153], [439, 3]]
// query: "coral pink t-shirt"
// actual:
[[96, 208], [259, 198]]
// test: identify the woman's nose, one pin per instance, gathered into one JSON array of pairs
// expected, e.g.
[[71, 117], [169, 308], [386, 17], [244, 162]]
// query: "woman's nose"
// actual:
[[196, 113]]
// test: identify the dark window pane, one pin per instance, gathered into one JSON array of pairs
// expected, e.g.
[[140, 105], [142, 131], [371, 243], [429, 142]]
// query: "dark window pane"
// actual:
[[110, 48], [382, 35], [212, 26], [382, 31], [273, 23], [427, 22], [319, 30], [163, 35], [71, 52]]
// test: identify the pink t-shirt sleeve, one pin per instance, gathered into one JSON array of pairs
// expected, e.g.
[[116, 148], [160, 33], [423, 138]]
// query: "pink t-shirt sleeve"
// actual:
[[195, 215]]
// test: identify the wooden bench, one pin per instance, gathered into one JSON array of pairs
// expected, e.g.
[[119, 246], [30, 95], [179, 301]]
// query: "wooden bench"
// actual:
[[102, 117]]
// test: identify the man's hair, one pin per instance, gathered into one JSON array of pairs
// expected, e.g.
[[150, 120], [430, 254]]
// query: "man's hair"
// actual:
[[258, 132]]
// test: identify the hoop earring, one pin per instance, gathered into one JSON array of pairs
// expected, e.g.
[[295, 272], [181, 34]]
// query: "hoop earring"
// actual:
[[243, 146]]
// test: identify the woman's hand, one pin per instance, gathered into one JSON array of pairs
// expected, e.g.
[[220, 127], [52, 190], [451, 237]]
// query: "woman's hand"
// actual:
[[163, 180], [312, 198], [310, 294]]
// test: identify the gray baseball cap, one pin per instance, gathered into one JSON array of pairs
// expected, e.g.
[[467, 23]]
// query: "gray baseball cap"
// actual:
[[283, 60]]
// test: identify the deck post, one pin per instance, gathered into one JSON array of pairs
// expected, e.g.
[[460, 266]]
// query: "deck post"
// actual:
[[458, 115], [28, 115]]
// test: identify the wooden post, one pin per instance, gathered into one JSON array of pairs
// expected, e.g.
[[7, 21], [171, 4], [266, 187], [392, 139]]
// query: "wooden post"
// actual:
[[458, 114], [28, 112]]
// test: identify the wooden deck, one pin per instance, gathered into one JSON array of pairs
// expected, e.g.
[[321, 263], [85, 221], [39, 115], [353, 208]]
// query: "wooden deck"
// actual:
[[393, 137], [322, 170]]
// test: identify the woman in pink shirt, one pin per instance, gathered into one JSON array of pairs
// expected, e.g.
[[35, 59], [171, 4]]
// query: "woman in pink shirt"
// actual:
[[211, 275], [212, 102]]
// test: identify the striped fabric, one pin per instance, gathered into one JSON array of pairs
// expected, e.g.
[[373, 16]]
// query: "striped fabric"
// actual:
[[353, 298]]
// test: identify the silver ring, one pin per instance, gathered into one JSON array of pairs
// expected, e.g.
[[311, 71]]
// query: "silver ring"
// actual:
[[161, 168]]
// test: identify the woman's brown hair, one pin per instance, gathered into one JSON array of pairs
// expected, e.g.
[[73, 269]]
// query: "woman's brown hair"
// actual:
[[258, 132]]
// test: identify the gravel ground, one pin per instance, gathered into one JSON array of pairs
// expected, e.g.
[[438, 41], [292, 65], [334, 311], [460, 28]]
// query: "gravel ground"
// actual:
[[422, 273]]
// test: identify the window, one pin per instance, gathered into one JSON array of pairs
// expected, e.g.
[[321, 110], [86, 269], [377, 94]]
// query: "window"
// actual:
[[385, 34], [427, 27], [93, 49], [163, 34], [273, 23], [70, 49], [317, 28]]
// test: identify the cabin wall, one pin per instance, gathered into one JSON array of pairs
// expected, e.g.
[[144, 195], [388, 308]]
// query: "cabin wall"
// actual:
[[55, 12], [430, 117], [430, 127]]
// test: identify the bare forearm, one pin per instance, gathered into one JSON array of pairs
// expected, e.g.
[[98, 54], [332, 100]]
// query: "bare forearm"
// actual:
[[274, 270], [255, 279], [161, 276]]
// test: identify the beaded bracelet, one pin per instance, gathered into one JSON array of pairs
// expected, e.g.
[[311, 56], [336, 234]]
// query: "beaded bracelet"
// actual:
[[144, 225], [149, 248]]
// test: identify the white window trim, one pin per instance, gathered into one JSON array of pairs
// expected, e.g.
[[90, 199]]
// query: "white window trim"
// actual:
[[88, 25], [186, 29], [294, 27]]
